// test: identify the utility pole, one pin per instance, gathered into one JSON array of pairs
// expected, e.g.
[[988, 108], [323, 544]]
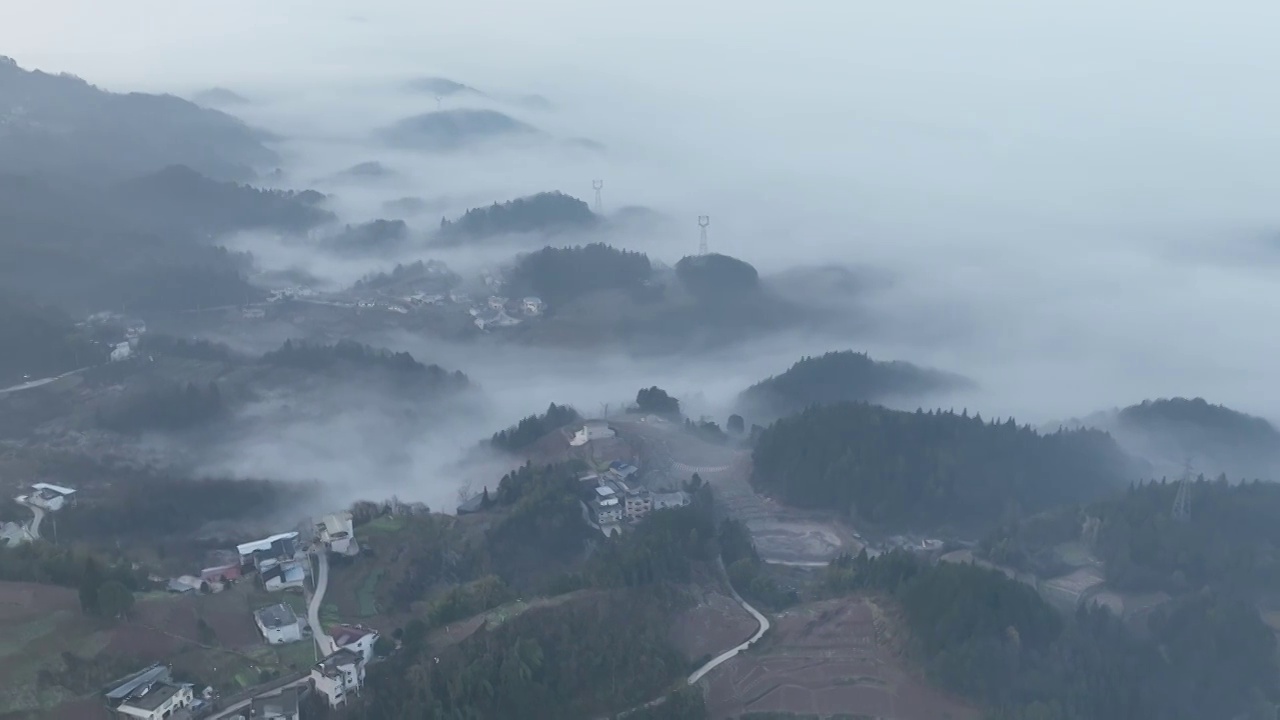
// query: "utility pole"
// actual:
[[703, 222], [598, 185]]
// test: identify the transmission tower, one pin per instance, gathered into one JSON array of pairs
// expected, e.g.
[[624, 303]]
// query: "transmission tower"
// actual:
[[439, 102], [598, 185], [1182, 501], [703, 222]]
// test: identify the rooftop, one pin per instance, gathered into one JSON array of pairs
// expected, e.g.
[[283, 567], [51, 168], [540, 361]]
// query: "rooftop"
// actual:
[[153, 697], [347, 634], [284, 705], [53, 488], [123, 687], [264, 544], [276, 616], [604, 491], [331, 665]]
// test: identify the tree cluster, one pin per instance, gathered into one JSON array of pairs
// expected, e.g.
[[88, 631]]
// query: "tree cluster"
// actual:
[[534, 427], [717, 277], [160, 344], [106, 589], [370, 237], [994, 640], [170, 408], [927, 469], [582, 658], [347, 353], [835, 377], [656, 400], [543, 212], [559, 275], [41, 341]]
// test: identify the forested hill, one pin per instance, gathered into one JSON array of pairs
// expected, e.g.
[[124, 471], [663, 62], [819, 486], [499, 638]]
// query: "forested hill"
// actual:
[[844, 376], [929, 469], [347, 355], [40, 342], [540, 213], [1203, 657], [1231, 541], [178, 197], [1216, 438], [558, 275], [62, 125]]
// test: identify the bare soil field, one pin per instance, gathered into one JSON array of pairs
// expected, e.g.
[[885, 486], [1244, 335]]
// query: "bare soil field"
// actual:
[[836, 657]]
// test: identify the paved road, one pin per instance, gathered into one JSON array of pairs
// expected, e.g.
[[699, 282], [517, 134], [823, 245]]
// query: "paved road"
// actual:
[[37, 383], [269, 690], [323, 641], [724, 656]]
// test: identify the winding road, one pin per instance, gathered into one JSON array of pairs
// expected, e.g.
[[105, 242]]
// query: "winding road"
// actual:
[[323, 642], [731, 652]]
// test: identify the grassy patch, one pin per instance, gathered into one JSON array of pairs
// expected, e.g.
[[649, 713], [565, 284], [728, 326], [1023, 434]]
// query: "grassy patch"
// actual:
[[296, 656], [16, 637], [329, 615], [385, 524], [366, 594]]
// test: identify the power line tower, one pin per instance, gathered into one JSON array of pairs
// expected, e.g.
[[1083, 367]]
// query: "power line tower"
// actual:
[[439, 102], [1182, 501], [703, 222], [598, 185]]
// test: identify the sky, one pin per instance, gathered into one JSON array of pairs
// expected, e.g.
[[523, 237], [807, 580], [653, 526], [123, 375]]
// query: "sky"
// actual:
[[1076, 202]]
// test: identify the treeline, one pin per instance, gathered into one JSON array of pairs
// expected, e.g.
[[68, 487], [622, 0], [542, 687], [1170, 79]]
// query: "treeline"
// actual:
[[1231, 542], [542, 212], [414, 271], [145, 505], [714, 277], [401, 365], [558, 275], [40, 342], [532, 428], [171, 408], [105, 588], [159, 344], [747, 572], [836, 377], [374, 236], [583, 658], [656, 400], [544, 516], [997, 642], [1195, 421], [928, 469]]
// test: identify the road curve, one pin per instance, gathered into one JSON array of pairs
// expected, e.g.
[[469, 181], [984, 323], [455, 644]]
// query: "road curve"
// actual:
[[323, 641], [731, 652], [34, 528]]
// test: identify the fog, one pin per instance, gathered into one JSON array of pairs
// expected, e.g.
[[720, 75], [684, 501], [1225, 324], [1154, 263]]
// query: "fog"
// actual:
[[1073, 204]]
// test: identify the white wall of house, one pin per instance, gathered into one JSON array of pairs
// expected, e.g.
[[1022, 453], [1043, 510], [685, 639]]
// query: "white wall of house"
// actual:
[[282, 634], [180, 699], [363, 646]]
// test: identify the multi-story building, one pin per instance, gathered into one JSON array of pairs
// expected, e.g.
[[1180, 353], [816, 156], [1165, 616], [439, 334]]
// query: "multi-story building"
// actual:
[[278, 624], [338, 675]]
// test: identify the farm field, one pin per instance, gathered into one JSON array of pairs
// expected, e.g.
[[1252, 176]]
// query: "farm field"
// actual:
[[830, 658]]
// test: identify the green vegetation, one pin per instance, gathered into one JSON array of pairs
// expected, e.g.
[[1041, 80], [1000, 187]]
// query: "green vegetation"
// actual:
[[578, 659], [717, 278], [463, 601], [995, 641], [683, 704], [1215, 438], [930, 469], [346, 354], [1231, 541], [533, 428], [41, 341], [544, 212], [656, 400], [558, 275], [164, 409], [371, 237], [747, 572], [159, 344], [838, 377]]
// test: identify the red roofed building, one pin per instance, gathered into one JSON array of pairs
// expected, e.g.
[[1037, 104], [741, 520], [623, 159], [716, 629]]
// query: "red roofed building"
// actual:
[[356, 638]]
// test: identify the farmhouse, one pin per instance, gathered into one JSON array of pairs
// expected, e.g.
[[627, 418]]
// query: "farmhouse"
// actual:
[[337, 533], [278, 575], [50, 497], [356, 638], [149, 694], [277, 547], [338, 675], [662, 501], [278, 624]]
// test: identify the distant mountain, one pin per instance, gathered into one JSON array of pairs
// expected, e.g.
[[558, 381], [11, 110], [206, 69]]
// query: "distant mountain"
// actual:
[[841, 377], [540, 213], [178, 196], [371, 237], [443, 87], [219, 97], [1217, 439], [558, 275], [60, 124], [370, 170], [447, 130]]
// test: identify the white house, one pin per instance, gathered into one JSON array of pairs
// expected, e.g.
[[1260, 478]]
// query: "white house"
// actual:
[[662, 501], [51, 497], [337, 533], [607, 510], [338, 675], [592, 430], [532, 306], [278, 624], [282, 574], [276, 547], [121, 351], [356, 638], [156, 701]]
